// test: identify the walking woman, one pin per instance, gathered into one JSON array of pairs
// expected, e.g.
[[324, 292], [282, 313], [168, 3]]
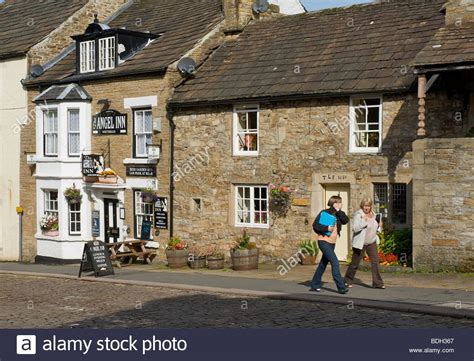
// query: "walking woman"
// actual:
[[327, 237], [365, 239]]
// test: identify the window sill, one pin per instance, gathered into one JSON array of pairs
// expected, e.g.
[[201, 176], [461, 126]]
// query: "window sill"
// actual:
[[365, 151], [250, 154], [140, 161], [253, 226]]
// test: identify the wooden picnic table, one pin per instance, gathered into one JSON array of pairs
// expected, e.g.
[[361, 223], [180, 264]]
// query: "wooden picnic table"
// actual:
[[131, 251]]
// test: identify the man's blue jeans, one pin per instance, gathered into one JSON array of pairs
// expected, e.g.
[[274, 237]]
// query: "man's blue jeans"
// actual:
[[329, 256]]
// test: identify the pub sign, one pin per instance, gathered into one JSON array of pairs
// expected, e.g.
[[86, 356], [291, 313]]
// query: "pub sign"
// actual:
[[92, 164], [109, 122]]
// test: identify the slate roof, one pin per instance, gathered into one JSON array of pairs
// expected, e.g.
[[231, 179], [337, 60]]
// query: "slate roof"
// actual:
[[362, 48], [69, 92], [24, 23], [183, 23], [450, 46]]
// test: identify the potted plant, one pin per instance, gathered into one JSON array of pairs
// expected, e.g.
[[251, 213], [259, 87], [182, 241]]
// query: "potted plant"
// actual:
[[108, 175], [215, 260], [49, 225], [308, 252], [177, 253], [197, 258], [245, 254], [73, 195], [149, 195]]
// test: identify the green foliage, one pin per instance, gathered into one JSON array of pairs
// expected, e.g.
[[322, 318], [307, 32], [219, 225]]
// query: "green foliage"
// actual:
[[309, 248], [398, 242], [243, 242], [176, 244]]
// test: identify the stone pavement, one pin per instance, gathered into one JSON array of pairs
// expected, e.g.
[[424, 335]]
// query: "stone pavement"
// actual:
[[47, 302], [444, 294]]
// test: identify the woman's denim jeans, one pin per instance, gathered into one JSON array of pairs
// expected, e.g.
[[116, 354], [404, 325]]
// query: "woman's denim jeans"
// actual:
[[328, 256]]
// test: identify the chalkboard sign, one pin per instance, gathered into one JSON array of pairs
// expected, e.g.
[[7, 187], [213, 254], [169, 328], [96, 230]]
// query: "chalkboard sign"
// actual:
[[161, 213], [96, 258], [146, 231]]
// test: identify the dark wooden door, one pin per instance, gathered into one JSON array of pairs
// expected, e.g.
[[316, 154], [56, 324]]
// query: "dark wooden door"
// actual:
[[111, 230]]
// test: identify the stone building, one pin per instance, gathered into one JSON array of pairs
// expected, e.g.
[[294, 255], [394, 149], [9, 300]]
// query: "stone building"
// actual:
[[102, 104], [326, 103], [31, 33]]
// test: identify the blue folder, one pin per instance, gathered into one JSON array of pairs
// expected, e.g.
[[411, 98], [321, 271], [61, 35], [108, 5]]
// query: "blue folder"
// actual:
[[327, 219]]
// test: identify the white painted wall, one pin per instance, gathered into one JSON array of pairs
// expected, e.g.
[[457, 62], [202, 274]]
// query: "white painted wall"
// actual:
[[13, 112], [289, 7]]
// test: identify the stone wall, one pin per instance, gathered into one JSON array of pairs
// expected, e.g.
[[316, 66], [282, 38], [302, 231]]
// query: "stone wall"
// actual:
[[304, 145], [460, 12], [60, 38], [444, 204]]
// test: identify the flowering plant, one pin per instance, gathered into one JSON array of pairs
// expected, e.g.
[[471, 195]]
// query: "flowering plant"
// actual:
[[176, 244], [49, 223], [107, 171], [243, 242], [149, 195], [389, 259], [73, 194], [280, 201]]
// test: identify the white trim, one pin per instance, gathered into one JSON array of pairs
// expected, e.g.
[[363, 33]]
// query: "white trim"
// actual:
[[148, 101], [368, 150], [107, 60], [140, 161], [139, 183], [87, 56], [252, 223]]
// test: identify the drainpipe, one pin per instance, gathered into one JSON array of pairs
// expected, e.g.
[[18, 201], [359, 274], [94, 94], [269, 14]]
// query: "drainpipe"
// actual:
[[19, 211], [172, 129]]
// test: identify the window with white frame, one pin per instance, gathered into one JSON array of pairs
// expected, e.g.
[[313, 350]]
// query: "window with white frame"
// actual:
[[87, 56], [73, 133], [143, 212], [246, 130], [107, 53], [75, 218], [366, 124], [50, 130], [143, 131], [251, 206], [391, 201], [51, 203]]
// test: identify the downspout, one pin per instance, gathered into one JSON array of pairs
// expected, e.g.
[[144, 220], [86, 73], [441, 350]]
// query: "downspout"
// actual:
[[169, 115]]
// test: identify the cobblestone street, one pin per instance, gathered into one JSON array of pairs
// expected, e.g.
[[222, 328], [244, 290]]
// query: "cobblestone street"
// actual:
[[34, 302]]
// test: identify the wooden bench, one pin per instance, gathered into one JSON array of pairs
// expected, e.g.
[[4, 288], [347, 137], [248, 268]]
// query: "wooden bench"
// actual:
[[131, 251]]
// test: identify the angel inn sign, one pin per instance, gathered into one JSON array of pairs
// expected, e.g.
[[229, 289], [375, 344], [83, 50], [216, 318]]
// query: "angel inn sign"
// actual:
[[109, 122]]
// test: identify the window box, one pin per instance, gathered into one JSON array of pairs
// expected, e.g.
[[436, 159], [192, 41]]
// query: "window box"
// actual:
[[50, 233], [107, 179]]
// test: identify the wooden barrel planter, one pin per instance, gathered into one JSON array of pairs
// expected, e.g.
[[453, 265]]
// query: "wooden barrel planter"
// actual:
[[307, 260], [215, 262], [197, 262], [244, 259], [177, 258]]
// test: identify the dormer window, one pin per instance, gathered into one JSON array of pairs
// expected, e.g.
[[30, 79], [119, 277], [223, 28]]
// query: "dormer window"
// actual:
[[101, 48], [87, 57], [107, 53]]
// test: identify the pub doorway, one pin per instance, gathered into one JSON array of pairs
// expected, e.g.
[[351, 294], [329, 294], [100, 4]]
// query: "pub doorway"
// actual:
[[111, 229]]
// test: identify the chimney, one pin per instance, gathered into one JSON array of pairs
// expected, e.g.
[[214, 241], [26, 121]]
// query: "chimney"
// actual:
[[238, 13], [459, 13]]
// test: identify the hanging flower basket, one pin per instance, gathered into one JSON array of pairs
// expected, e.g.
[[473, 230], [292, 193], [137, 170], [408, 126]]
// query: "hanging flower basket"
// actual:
[[148, 195], [280, 201], [73, 195]]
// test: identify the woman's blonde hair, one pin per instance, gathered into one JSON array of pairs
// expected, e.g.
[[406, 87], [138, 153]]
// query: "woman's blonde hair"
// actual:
[[366, 201]]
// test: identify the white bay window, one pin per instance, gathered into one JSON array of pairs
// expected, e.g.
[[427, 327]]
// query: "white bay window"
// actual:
[[50, 132], [73, 133]]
